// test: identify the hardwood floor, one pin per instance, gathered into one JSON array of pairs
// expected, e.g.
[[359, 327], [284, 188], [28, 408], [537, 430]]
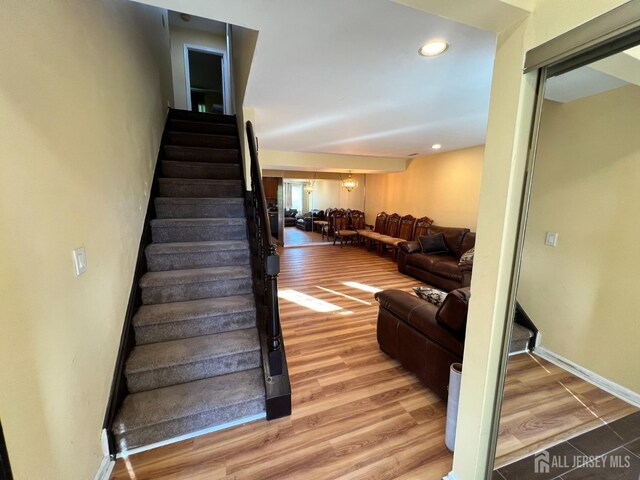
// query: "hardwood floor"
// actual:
[[296, 236], [545, 405], [356, 413]]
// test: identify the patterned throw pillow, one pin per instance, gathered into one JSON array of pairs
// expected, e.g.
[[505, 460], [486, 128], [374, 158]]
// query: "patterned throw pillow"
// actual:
[[431, 295], [467, 258]]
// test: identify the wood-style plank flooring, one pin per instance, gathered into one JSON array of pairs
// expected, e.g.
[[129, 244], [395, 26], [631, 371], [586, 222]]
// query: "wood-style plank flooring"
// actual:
[[296, 236], [356, 413], [545, 405]]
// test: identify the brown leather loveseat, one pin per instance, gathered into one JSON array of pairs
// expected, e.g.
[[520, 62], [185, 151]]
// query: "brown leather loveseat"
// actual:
[[440, 270], [424, 338]]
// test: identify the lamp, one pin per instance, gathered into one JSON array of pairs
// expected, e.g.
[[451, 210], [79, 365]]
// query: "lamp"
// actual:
[[350, 183]]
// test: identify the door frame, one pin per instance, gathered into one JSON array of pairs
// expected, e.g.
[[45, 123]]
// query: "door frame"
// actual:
[[226, 98]]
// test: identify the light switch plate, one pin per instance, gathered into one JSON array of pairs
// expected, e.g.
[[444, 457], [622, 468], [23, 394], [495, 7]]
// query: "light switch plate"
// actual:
[[551, 239], [80, 261]]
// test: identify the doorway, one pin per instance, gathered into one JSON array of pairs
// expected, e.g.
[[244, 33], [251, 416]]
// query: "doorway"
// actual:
[[206, 78]]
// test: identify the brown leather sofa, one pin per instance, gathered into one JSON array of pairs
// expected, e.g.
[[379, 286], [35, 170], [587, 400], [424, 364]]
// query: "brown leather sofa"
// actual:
[[424, 338], [439, 270]]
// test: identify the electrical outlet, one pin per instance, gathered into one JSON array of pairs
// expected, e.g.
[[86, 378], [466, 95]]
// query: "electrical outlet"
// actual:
[[551, 239], [80, 261]]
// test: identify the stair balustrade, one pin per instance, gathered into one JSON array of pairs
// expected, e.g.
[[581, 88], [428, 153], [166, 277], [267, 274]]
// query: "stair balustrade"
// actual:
[[267, 261]]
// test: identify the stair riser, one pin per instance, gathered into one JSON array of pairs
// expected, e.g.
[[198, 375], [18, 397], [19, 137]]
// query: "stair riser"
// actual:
[[198, 140], [181, 261], [200, 127], [183, 426], [201, 191], [174, 375], [209, 171], [198, 234], [176, 210], [203, 117], [195, 327], [195, 291], [211, 155]]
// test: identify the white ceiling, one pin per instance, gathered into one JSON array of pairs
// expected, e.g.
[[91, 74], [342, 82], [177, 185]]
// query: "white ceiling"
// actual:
[[197, 23], [344, 76], [336, 77], [580, 83]]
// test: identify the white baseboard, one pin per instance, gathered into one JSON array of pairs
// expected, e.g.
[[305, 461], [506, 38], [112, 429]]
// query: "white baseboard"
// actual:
[[608, 386], [133, 451], [511, 354], [105, 469]]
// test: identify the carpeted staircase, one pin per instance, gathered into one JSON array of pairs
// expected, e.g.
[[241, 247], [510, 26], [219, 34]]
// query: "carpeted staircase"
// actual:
[[196, 363]]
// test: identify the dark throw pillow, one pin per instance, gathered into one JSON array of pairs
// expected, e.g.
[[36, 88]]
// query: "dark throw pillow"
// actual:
[[433, 243]]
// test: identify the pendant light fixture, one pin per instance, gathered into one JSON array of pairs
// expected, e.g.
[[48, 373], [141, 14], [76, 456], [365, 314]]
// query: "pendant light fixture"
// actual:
[[350, 183]]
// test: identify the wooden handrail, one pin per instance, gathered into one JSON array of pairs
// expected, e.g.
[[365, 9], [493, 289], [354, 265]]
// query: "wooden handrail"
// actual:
[[268, 261]]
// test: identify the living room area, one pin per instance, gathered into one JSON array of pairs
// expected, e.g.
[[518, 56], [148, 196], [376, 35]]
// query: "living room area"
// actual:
[[458, 169]]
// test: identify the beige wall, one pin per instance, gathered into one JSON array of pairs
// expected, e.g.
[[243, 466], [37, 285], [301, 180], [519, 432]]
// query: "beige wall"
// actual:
[[445, 187], [84, 86], [581, 294], [243, 46], [328, 162], [180, 37]]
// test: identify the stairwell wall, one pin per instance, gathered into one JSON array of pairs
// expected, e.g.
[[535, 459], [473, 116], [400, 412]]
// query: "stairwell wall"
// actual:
[[84, 88], [582, 294]]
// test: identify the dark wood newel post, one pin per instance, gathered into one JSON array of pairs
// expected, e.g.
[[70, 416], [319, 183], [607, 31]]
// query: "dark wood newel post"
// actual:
[[272, 271]]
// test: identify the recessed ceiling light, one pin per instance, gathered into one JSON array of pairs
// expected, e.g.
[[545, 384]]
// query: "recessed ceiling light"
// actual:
[[433, 48], [185, 16], [436, 146]]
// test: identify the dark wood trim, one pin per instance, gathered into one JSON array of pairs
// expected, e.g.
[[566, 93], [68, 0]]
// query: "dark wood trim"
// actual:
[[278, 387], [5, 465], [127, 339]]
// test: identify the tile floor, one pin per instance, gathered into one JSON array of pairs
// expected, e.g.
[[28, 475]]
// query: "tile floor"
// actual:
[[610, 452]]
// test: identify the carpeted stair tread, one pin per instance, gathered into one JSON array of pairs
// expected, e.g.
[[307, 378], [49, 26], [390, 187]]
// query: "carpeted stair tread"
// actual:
[[205, 170], [172, 321], [201, 154], [203, 117], [155, 415], [197, 247], [188, 139], [168, 230], [188, 350], [520, 332], [176, 125], [202, 181], [520, 337], [189, 207], [161, 364], [192, 310], [184, 255], [196, 222], [193, 275], [198, 187]]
